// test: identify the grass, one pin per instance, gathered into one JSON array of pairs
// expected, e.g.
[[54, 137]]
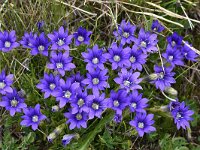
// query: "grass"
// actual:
[[101, 17]]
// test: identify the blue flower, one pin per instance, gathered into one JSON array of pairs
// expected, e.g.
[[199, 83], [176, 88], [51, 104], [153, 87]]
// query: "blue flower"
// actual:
[[67, 139], [27, 38], [5, 83], [175, 40], [156, 26], [188, 53], [82, 36]]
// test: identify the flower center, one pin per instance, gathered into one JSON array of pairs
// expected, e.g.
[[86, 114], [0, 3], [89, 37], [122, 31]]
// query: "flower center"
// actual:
[[80, 102], [116, 103], [79, 116], [35, 118], [80, 38], [2, 85], [171, 58], [7, 44], [173, 43], [95, 81], [143, 44], [60, 42], [52, 86], [125, 34], [127, 83], [68, 94], [155, 29], [132, 59], [161, 75], [141, 125], [178, 116], [41, 48], [14, 103], [116, 58], [133, 105], [95, 106], [95, 60], [59, 65], [185, 54]]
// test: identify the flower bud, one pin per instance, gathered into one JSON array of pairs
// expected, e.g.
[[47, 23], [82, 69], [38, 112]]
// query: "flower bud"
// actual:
[[171, 91], [55, 108], [165, 108], [59, 129], [51, 137], [153, 76]]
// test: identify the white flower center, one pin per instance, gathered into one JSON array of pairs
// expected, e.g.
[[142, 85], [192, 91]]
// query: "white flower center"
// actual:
[[133, 105], [141, 125], [2, 85], [68, 94], [95, 60], [132, 59], [80, 102], [171, 58], [79, 116], [59, 65], [35, 118], [14, 103], [185, 54], [116, 103], [41, 48], [95, 106], [52, 86], [143, 44], [161, 75], [80, 38], [7, 44], [127, 83], [60, 42], [173, 43], [178, 116], [155, 29], [125, 34], [116, 58], [95, 81]]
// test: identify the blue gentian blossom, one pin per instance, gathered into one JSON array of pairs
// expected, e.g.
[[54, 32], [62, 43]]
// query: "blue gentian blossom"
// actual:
[[13, 102], [137, 103], [136, 58], [182, 116], [27, 38], [175, 40], [60, 39], [173, 105], [96, 80], [5, 83], [49, 85], [96, 104], [8, 41], [118, 100], [147, 41], [67, 92], [173, 56], [94, 58], [61, 62], [188, 53], [118, 56], [143, 123], [40, 45], [82, 36], [125, 32], [164, 77], [128, 80], [156, 26], [78, 78], [67, 139], [32, 117], [76, 120], [117, 118]]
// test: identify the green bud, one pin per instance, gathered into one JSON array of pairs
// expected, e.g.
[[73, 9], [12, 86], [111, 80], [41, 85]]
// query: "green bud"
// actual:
[[51, 137], [153, 76], [171, 91]]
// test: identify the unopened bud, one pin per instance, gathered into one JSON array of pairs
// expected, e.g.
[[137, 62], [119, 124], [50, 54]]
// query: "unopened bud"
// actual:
[[51, 137], [55, 108], [153, 76], [164, 108], [171, 91], [59, 129]]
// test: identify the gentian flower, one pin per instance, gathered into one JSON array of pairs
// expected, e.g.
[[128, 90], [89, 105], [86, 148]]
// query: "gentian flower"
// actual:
[[173, 105], [32, 117], [13, 102], [40, 45], [136, 58], [156, 26], [173, 56], [26, 39], [125, 32], [61, 62], [128, 80], [175, 40], [76, 120], [60, 39], [147, 41], [164, 77], [117, 56], [67, 92], [8, 41], [182, 116], [94, 58], [67, 139], [49, 85], [137, 103], [118, 100], [40, 26], [5, 83], [79, 103], [78, 78], [82, 36], [188, 53], [143, 123], [96, 104], [117, 118], [96, 80]]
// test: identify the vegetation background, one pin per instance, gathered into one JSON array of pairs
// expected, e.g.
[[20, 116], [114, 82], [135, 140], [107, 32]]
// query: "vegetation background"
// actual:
[[101, 17]]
